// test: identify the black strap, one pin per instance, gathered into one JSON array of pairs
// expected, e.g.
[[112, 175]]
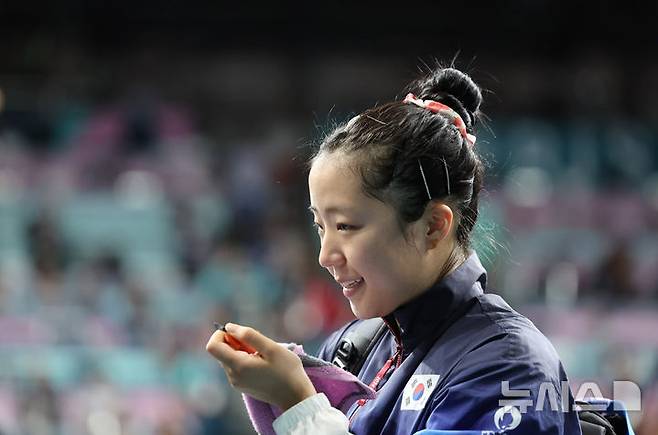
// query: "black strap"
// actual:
[[355, 346], [596, 423]]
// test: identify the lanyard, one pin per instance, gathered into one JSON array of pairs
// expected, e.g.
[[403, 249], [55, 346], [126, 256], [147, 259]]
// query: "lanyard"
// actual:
[[378, 377]]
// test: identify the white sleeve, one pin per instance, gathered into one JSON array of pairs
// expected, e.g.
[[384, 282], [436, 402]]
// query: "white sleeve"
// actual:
[[312, 415]]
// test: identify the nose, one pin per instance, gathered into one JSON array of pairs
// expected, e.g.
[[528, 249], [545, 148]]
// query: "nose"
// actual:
[[331, 255]]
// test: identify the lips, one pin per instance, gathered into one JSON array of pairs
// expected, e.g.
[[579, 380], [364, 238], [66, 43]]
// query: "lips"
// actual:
[[351, 283], [352, 287]]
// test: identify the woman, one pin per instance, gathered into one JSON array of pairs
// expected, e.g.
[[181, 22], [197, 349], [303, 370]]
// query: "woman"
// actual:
[[394, 195]]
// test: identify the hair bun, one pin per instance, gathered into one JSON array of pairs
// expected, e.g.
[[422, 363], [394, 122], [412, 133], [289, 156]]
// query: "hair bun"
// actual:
[[446, 84]]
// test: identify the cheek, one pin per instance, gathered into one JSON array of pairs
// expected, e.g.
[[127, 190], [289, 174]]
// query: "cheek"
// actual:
[[400, 265], [381, 262], [367, 254]]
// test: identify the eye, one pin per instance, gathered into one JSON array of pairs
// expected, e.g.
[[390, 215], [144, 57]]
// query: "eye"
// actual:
[[318, 227], [345, 227]]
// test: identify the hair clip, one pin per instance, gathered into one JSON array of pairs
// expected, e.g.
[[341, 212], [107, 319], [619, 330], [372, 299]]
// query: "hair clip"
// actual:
[[422, 174], [436, 107]]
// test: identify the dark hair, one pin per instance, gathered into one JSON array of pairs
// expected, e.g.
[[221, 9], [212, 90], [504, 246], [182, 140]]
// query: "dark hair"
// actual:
[[393, 140]]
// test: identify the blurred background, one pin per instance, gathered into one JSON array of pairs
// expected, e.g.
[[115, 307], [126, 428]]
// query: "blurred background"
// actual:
[[152, 181]]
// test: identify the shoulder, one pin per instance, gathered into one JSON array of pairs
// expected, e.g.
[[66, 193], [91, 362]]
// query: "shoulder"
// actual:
[[493, 329], [494, 336], [517, 339], [501, 359]]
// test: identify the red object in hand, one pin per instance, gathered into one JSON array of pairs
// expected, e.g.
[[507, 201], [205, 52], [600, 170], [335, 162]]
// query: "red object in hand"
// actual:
[[234, 342]]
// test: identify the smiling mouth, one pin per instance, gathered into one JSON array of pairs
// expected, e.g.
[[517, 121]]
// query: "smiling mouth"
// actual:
[[351, 284]]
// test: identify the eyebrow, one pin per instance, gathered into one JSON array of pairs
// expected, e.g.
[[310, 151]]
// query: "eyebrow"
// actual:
[[329, 210]]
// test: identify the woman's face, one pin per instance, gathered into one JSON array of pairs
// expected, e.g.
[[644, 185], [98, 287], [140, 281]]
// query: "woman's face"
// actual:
[[362, 245]]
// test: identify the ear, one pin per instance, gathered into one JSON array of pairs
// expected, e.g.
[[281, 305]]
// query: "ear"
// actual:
[[439, 220]]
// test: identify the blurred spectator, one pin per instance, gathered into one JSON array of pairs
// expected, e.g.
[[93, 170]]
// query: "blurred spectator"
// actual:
[[615, 275], [49, 260], [40, 410]]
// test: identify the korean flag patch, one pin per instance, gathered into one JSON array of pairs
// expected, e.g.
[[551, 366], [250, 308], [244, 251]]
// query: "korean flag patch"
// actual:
[[417, 391]]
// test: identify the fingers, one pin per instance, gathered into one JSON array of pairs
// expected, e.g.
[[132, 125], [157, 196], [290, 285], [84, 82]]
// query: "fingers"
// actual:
[[238, 365], [270, 373], [218, 348], [253, 338]]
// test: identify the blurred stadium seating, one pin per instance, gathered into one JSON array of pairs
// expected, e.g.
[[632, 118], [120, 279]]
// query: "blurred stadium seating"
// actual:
[[147, 190]]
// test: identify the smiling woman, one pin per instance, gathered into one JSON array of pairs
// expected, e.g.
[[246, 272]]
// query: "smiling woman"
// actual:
[[394, 196]]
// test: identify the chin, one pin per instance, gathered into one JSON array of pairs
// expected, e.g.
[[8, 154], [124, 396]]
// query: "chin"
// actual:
[[363, 312]]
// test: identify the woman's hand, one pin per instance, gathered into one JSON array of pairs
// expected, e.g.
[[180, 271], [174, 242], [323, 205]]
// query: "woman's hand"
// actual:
[[274, 374]]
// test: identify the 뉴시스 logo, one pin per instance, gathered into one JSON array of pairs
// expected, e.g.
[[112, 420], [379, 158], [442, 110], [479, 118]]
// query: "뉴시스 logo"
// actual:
[[624, 393]]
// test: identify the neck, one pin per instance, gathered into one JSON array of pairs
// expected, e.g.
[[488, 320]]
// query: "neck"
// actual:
[[451, 259]]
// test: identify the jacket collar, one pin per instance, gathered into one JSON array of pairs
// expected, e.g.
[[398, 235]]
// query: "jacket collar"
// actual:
[[423, 314]]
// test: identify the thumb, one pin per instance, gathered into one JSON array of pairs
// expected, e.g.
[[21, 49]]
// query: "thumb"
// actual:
[[252, 338]]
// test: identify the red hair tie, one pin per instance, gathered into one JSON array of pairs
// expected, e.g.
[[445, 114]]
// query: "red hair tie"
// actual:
[[436, 107]]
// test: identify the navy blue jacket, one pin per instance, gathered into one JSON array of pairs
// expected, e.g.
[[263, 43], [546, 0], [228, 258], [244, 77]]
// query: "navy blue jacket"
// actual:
[[457, 382]]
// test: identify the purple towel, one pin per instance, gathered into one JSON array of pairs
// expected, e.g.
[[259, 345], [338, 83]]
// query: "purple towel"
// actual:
[[341, 388]]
